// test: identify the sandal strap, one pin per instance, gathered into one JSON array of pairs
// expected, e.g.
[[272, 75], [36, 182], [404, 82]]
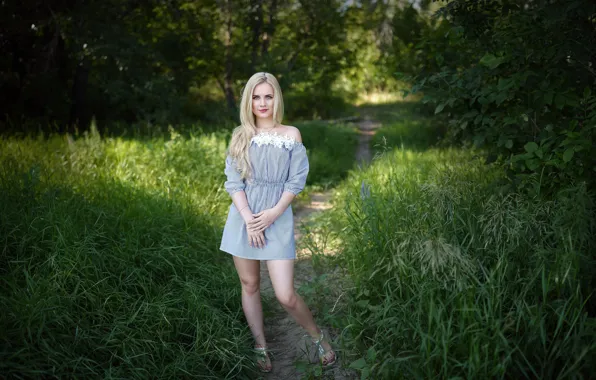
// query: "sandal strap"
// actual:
[[322, 351], [263, 356], [321, 338], [261, 351]]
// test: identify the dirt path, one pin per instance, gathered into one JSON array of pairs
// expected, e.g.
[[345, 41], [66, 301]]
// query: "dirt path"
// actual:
[[287, 341]]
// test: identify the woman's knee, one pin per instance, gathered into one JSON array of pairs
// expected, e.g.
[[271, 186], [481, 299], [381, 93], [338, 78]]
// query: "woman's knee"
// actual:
[[250, 285], [287, 299]]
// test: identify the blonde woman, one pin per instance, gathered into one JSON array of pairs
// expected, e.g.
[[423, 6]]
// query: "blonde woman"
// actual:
[[266, 167]]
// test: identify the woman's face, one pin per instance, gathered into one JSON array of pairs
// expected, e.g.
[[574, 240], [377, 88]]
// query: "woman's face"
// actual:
[[262, 101]]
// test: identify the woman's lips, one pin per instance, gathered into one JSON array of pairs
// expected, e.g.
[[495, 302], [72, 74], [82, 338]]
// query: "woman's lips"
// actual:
[[263, 111]]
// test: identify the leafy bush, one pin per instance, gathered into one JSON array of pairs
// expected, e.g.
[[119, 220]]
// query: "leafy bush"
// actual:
[[517, 78]]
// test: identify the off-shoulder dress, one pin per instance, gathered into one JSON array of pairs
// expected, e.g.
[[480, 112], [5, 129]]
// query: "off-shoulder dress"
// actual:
[[279, 163]]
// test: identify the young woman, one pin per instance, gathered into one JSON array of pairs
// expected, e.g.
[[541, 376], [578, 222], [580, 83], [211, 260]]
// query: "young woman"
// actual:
[[266, 167]]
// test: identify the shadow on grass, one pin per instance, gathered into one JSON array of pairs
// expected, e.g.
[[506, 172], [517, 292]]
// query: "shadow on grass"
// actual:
[[113, 281]]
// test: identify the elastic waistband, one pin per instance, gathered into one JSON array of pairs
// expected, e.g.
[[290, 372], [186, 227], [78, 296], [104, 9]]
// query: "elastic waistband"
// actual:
[[264, 182]]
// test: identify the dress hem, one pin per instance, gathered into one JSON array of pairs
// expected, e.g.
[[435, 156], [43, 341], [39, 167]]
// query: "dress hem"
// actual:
[[258, 259]]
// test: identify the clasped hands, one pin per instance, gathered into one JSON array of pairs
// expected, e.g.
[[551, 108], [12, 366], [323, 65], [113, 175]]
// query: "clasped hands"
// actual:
[[260, 222]]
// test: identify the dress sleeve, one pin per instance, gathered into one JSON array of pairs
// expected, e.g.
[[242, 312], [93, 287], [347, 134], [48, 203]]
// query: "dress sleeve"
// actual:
[[298, 170], [234, 182]]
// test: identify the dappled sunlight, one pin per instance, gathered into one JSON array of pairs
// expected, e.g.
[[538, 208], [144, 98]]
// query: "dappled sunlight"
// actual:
[[189, 168], [106, 257], [377, 98]]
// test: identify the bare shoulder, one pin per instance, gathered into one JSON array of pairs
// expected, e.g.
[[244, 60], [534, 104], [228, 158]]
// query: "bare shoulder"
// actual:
[[292, 132]]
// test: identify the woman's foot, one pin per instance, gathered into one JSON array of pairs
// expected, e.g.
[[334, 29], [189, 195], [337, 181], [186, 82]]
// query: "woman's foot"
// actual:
[[263, 360], [326, 354]]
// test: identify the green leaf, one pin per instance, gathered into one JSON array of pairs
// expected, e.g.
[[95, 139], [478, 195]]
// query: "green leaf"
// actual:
[[358, 364], [371, 355], [318, 370], [568, 155], [365, 374], [509, 144], [560, 101], [532, 164], [587, 92], [491, 61], [531, 147], [548, 97], [539, 153], [439, 108]]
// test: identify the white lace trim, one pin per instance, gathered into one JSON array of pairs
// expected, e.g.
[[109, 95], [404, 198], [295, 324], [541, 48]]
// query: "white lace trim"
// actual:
[[268, 138]]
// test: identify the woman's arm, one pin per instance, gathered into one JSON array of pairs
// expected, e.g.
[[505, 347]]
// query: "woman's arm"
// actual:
[[235, 186], [265, 218]]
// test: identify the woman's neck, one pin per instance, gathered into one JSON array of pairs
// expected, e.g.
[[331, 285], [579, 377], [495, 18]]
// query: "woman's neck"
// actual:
[[265, 125]]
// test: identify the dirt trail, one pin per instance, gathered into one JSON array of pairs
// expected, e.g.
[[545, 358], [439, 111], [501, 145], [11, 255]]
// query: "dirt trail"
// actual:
[[287, 341]]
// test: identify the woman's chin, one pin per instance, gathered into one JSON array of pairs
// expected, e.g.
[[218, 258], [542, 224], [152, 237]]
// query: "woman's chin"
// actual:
[[263, 116]]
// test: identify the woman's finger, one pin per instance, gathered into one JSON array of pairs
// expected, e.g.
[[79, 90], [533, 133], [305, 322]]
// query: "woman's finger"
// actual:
[[262, 240]]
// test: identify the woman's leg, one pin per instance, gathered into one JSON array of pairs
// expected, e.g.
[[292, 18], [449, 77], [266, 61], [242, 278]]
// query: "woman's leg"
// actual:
[[281, 273], [250, 278]]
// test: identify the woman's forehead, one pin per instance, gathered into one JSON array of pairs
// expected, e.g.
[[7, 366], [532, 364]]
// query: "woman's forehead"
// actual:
[[263, 89]]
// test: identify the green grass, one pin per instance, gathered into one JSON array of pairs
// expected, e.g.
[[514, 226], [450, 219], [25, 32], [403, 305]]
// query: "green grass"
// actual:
[[452, 278], [110, 260], [331, 150], [450, 274], [110, 256]]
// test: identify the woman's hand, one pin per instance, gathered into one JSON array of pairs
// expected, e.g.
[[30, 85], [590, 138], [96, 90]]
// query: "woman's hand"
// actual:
[[255, 239], [263, 220]]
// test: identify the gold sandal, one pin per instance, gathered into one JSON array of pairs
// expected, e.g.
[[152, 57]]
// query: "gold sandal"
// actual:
[[262, 357], [326, 362]]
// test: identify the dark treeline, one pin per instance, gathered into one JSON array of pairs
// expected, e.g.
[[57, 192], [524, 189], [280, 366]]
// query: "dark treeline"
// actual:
[[65, 62]]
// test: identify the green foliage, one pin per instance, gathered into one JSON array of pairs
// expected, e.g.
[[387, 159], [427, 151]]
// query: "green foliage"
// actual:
[[110, 256], [125, 61], [331, 151], [520, 82], [110, 263], [456, 280], [404, 126]]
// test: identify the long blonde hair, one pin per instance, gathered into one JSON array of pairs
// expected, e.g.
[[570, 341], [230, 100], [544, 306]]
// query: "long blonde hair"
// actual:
[[247, 129]]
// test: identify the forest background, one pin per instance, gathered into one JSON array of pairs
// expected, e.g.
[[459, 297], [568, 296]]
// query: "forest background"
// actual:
[[495, 137]]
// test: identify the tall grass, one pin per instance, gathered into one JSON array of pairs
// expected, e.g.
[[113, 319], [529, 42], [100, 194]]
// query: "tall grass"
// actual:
[[109, 260], [331, 149], [110, 256], [455, 279]]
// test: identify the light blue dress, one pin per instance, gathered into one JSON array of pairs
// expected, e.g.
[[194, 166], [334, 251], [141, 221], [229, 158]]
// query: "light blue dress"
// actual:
[[279, 163]]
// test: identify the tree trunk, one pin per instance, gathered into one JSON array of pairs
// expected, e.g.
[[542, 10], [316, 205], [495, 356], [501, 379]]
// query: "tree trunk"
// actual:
[[257, 29], [228, 84], [270, 30]]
